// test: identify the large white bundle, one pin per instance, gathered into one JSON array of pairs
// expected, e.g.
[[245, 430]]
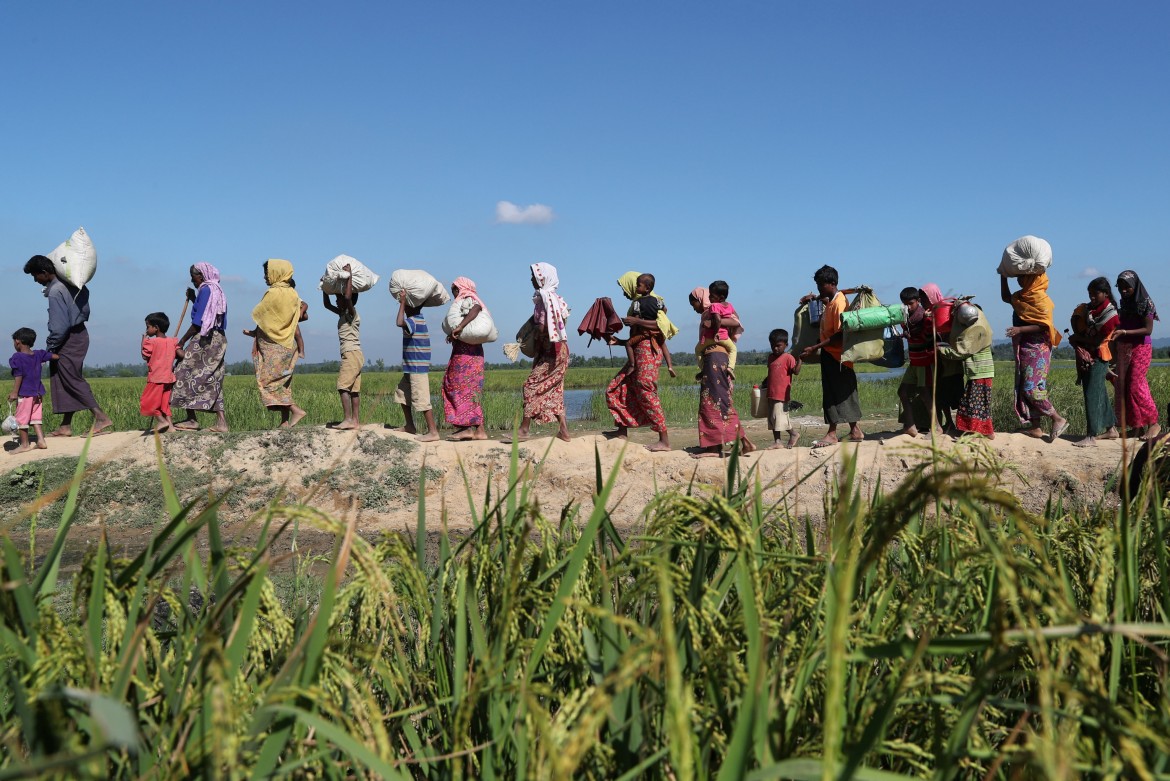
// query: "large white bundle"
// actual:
[[1026, 255], [421, 288], [481, 330], [333, 280], [75, 259]]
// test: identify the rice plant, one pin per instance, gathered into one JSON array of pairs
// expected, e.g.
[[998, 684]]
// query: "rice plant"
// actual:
[[936, 631]]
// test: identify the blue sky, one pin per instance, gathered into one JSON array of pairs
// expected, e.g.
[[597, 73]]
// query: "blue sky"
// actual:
[[900, 142]]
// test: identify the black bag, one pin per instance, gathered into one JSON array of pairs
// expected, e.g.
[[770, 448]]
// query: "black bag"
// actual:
[[894, 355]]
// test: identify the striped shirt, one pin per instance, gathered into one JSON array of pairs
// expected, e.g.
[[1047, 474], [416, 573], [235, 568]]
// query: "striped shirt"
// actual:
[[416, 346]]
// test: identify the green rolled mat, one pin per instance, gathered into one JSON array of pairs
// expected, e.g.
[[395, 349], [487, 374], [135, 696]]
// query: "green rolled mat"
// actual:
[[873, 317]]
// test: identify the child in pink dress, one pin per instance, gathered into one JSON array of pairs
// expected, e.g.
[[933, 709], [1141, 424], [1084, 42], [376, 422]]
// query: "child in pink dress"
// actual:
[[160, 352], [711, 332]]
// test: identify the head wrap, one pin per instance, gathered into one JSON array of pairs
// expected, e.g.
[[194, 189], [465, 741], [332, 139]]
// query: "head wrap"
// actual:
[[547, 305], [933, 293], [216, 305], [703, 296], [628, 282], [279, 310], [1139, 304], [465, 288], [1033, 305]]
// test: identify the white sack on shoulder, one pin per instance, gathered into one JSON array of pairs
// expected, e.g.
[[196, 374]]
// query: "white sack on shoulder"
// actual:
[[481, 330], [333, 280], [1026, 255], [75, 259], [421, 288]]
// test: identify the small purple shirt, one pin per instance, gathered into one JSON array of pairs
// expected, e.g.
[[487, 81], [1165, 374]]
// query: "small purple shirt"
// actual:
[[27, 366]]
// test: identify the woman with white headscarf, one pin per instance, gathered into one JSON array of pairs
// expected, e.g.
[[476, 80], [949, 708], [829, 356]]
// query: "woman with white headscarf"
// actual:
[[544, 390], [199, 376]]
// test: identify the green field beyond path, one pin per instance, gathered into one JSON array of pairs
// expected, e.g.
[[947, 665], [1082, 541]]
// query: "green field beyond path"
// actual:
[[317, 394]]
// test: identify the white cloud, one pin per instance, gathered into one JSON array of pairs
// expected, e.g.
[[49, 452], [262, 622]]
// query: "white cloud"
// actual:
[[1089, 272], [509, 213]]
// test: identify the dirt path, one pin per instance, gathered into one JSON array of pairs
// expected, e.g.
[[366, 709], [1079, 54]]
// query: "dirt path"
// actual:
[[374, 472]]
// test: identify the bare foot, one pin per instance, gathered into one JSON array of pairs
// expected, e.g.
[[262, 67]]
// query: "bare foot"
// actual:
[[42, 445], [658, 447], [1086, 442], [909, 431], [345, 425], [620, 433], [793, 441], [1152, 432], [63, 431], [430, 436], [563, 435], [220, 429], [706, 454], [826, 441], [747, 446], [410, 430], [296, 415], [777, 445], [187, 425], [21, 449], [479, 435]]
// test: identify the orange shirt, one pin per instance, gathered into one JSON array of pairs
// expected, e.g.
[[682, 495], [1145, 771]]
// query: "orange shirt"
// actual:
[[159, 352], [831, 324]]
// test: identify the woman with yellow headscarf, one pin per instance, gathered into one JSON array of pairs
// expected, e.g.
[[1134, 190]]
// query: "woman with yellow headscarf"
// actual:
[[632, 396], [1033, 336], [276, 341]]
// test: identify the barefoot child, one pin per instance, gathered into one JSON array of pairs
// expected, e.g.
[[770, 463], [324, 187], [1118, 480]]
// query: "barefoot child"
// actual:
[[782, 367], [160, 352], [414, 389], [27, 388], [711, 332], [349, 376]]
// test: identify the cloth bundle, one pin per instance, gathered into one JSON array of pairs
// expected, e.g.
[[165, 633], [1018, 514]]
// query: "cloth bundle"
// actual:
[[873, 317], [75, 259], [481, 330], [421, 288], [1024, 256], [333, 280], [865, 346], [805, 333]]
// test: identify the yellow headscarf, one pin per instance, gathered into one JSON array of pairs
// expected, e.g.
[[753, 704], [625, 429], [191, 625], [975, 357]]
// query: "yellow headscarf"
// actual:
[[1033, 306], [279, 311], [629, 285]]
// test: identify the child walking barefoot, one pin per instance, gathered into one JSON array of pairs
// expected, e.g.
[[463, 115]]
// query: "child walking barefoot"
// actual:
[[160, 353], [27, 388], [782, 367]]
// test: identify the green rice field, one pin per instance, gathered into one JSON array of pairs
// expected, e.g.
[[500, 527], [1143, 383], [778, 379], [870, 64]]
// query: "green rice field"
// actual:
[[316, 393], [937, 630]]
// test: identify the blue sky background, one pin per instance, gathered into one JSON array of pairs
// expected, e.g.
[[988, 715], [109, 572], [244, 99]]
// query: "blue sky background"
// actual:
[[901, 142]]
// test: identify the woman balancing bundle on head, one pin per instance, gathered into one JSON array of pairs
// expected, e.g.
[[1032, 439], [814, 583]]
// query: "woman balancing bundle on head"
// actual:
[[1135, 406], [199, 378], [1034, 336], [463, 380], [544, 390], [276, 345]]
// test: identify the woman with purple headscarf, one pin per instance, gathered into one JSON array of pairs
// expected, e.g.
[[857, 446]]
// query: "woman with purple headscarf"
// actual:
[[199, 377]]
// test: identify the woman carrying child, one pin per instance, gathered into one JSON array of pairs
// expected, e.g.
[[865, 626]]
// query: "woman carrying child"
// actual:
[[1033, 335], [275, 345], [632, 395], [1135, 406], [199, 378], [718, 421], [463, 380], [1093, 325], [544, 390]]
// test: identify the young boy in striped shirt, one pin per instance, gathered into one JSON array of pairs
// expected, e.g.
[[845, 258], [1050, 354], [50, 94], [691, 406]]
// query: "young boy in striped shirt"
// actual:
[[414, 389]]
